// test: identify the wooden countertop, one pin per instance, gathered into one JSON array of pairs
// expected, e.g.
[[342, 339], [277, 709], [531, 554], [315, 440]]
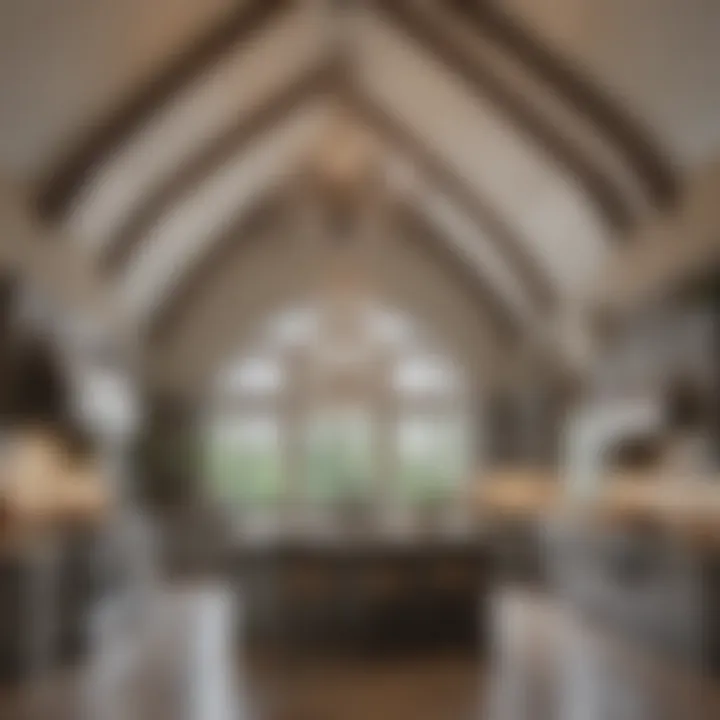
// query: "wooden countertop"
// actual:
[[688, 508]]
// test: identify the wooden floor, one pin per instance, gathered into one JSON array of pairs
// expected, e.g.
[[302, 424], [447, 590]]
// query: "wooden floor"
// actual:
[[439, 688], [182, 663]]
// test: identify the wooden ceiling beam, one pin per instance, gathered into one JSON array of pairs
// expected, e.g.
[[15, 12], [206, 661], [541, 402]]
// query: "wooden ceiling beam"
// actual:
[[490, 225], [248, 227], [208, 159], [58, 192], [603, 193], [539, 59], [421, 232]]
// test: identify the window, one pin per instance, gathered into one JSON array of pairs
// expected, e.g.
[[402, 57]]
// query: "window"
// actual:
[[244, 461], [338, 457], [432, 458], [423, 375], [293, 328], [327, 396], [252, 376]]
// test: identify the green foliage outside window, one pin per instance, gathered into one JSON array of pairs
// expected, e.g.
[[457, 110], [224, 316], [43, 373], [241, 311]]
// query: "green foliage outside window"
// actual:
[[244, 463], [431, 459], [338, 462], [245, 467]]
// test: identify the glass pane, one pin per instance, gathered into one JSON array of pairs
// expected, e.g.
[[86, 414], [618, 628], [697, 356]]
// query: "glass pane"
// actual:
[[432, 458], [243, 461], [253, 375], [338, 456], [423, 375]]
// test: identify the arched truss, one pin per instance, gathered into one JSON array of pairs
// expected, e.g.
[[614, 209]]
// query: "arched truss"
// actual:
[[68, 180], [673, 250], [491, 23], [519, 170]]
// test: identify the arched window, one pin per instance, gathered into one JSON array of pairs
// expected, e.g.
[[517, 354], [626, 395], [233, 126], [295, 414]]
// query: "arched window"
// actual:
[[432, 433], [339, 459], [302, 419], [244, 460]]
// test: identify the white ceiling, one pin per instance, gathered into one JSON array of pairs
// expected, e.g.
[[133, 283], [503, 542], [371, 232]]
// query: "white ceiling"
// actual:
[[64, 67], [659, 59], [543, 205], [241, 84]]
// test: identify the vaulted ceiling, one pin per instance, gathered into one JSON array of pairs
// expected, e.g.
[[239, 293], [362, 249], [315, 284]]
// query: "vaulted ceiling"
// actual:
[[167, 141]]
